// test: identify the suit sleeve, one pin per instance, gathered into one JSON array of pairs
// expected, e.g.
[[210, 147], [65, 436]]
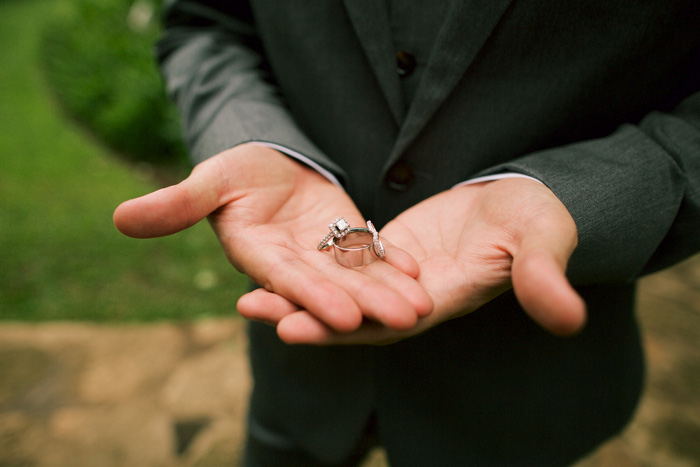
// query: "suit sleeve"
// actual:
[[635, 195], [215, 71]]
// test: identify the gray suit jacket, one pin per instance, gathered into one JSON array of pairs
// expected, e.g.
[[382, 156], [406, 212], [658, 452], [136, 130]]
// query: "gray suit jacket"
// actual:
[[599, 100]]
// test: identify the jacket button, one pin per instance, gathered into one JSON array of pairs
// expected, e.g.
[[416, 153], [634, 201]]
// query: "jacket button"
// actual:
[[405, 63], [400, 176]]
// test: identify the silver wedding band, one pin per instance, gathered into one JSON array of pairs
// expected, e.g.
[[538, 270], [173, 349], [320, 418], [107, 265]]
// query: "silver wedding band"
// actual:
[[355, 249]]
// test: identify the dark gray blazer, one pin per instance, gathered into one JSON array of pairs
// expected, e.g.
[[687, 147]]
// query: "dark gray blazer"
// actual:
[[598, 99]]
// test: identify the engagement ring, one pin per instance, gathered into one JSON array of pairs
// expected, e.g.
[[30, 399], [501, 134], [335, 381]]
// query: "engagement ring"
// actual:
[[339, 228]]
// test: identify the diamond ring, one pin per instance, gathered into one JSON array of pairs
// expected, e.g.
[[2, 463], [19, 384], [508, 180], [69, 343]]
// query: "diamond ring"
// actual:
[[338, 229]]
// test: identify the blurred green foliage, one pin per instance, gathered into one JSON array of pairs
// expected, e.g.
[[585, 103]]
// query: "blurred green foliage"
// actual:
[[99, 60], [61, 256]]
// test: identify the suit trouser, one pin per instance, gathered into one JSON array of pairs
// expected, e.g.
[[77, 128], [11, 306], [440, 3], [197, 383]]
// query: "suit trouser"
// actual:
[[490, 388], [267, 448]]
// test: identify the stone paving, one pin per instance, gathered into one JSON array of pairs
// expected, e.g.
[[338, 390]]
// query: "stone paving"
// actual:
[[175, 394]]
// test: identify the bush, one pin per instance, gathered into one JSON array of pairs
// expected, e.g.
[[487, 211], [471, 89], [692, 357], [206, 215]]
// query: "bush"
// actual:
[[98, 57]]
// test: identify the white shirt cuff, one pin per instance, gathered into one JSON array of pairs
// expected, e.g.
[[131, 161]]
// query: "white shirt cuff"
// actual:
[[302, 158], [491, 178]]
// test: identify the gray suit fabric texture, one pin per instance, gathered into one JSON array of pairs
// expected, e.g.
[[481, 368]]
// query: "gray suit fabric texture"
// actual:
[[597, 99]]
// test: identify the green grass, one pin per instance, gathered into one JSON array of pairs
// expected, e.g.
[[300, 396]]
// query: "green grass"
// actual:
[[99, 60], [60, 256]]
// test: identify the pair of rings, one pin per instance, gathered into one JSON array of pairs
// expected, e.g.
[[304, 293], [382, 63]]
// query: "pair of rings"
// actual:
[[353, 246]]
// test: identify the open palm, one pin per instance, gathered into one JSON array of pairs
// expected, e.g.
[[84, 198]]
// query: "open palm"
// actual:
[[472, 243], [269, 214]]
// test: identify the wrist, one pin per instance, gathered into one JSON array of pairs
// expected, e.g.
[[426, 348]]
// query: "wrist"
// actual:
[[262, 165]]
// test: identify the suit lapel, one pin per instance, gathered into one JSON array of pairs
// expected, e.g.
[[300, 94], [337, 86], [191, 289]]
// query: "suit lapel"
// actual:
[[371, 23], [467, 26]]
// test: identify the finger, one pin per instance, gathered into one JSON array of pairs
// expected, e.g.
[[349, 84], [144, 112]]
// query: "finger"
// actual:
[[384, 305], [408, 287], [303, 328], [383, 293], [175, 208], [400, 259], [540, 284], [339, 297], [304, 285], [266, 307]]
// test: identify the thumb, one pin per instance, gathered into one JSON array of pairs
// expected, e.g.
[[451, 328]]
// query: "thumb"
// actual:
[[175, 208], [540, 284]]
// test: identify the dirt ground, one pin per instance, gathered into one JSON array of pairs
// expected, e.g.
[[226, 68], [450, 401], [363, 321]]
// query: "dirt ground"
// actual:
[[78, 395]]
